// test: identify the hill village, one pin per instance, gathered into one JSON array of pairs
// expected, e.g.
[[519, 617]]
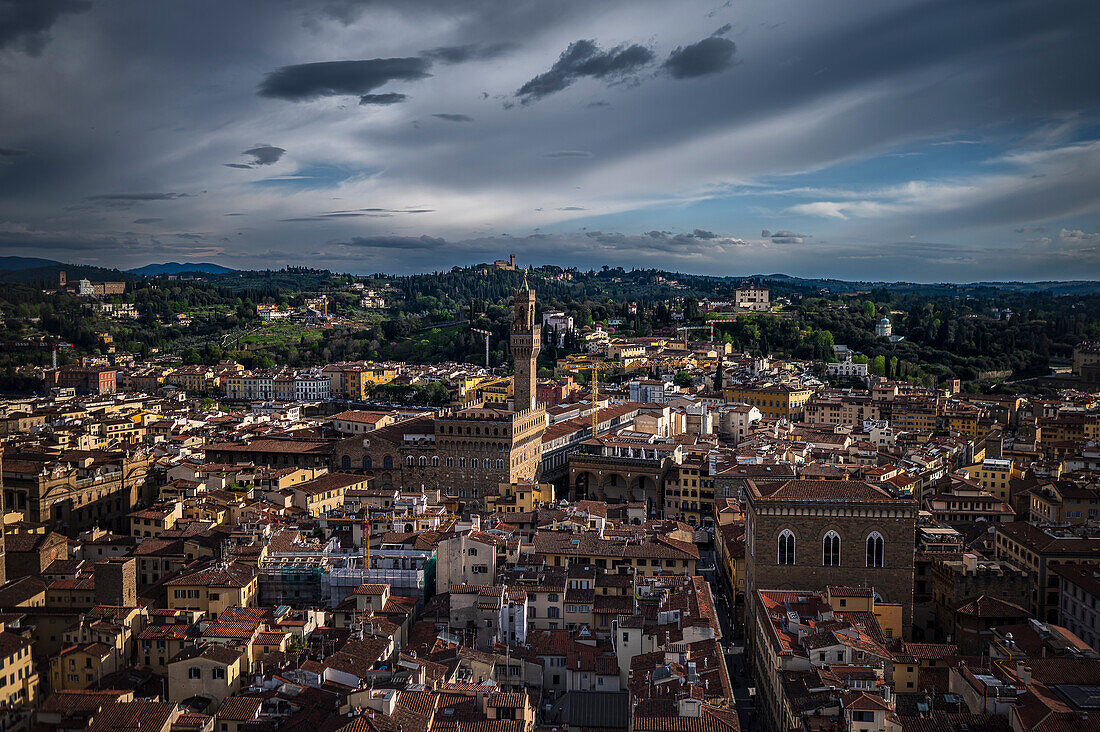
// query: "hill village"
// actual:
[[665, 536]]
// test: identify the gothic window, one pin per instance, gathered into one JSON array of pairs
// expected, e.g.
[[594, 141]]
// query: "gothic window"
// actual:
[[387, 463], [409, 461], [450, 462], [345, 462], [876, 549], [423, 461], [475, 464], [435, 461], [500, 465], [786, 547], [830, 550]]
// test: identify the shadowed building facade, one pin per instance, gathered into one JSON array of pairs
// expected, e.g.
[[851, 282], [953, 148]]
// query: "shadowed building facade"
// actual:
[[811, 534]]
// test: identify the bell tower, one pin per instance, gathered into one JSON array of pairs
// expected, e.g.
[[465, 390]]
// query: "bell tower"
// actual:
[[526, 343]]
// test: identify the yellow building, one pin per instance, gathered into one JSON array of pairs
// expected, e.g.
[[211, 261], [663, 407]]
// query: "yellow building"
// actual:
[[1064, 502], [83, 665], [214, 589], [490, 390], [773, 400], [326, 493], [624, 351], [18, 679], [210, 671], [354, 380], [519, 497], [964, 420], [994, 476], [914, 417]]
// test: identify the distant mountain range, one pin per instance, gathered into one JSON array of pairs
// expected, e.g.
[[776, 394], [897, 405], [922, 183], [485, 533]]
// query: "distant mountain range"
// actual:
[[16, 263], [151, 270]]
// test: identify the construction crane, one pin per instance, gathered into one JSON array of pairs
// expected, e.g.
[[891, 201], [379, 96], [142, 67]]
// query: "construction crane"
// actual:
[[52, 344], [686, 328], [486, 334], [365, 521], [593, 384]]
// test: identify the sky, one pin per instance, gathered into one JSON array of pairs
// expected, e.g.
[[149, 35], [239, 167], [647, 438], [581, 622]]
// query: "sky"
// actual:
[[917, 140]]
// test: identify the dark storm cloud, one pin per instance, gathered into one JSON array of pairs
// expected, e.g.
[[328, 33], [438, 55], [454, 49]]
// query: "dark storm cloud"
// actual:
[[585, 58], [303, 82], [568, 154], [135, 196], [148, 221], [784, 237], [454, 117], [395, 242], [468, 52], [10, 152], [383, 99], [723, 30], [265, 154], [238, 165], [708, 56], [25, 24]]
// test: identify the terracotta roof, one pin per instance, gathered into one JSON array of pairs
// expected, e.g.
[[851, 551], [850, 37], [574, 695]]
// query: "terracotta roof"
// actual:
[[984, 606], [818, 490]]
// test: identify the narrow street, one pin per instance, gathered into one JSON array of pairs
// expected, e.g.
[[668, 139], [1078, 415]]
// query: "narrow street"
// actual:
[[737, 664]]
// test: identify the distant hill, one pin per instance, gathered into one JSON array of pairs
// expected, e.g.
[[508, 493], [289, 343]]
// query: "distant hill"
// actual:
[[151, 270], [17, 263]]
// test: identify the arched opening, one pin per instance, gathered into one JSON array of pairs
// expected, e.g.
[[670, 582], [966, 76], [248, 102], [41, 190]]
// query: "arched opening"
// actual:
[[786, 547], [876, 549], [345, 462], [368, 464], [830, 550]]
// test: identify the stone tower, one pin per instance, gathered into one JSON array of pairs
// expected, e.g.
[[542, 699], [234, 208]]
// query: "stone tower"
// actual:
[[526, 344]]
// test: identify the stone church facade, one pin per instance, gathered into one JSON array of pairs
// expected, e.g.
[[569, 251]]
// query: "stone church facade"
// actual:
[[809, 534]]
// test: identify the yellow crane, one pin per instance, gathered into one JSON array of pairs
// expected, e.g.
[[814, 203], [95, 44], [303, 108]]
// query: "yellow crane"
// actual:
[[365, 521], [593, 384]]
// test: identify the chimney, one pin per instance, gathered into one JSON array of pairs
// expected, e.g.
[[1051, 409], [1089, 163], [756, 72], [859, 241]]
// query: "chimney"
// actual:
[[1023, 673]]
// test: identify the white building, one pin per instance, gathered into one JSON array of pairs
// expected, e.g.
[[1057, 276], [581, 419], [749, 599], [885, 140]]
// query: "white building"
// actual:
[[85, 288], [312, 387], [559, 323], [650, 390], [847, 368], [737, 420], [751, 297], [884, 329]]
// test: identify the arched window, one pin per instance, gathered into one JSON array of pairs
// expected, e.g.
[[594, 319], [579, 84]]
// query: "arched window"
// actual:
[[475, 464], [435, 461], [786, 547], [876, 549], [423, 461], [450, 462], [387, 463], [500, 465], [409, 461], [830, 550], [367, 462], [345, 462]]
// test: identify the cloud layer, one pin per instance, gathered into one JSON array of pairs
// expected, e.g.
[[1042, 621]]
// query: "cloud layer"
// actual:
[[922, 138]]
